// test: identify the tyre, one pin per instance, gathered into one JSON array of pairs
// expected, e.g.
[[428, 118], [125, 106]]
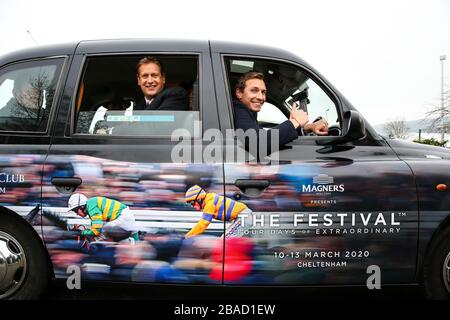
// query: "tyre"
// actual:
[[24, 269], [436, 275]]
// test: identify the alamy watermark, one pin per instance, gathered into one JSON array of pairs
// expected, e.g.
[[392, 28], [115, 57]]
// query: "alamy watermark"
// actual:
[[374, 280], [257, 146], [74, 279]]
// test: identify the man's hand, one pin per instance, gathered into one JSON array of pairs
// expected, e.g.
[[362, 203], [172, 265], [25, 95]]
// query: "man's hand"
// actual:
[[319, 128], [299, 118]]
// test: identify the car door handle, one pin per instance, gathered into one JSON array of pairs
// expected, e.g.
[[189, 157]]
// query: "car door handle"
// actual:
[[248, 183], [252, 188], [72, 182]]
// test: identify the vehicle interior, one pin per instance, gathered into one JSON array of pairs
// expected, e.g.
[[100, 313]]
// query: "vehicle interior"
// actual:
[[110, 83], [285, 84]]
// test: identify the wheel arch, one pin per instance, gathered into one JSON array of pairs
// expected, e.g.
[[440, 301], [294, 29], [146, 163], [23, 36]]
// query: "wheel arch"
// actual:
[[428, 271], [17, 217], [443, 226]]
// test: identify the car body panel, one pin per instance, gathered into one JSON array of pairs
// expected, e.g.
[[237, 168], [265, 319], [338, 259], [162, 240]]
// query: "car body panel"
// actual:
[[430, 166]]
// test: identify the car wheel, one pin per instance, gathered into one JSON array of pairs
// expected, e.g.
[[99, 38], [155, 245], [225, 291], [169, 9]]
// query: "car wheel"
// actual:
[[437, 268], [24, 271]]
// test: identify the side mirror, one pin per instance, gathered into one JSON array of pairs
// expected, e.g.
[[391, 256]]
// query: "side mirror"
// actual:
[[355, 125], [354, 128]]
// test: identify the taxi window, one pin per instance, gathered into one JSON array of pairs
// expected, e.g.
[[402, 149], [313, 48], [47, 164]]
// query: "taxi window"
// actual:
[[145, 95], [286, 85], [26, 95]]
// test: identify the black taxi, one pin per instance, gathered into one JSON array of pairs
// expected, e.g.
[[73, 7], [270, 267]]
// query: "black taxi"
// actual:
[[95, 184]]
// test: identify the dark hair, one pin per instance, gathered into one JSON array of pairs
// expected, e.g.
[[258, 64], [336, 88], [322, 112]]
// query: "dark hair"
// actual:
[[147, 60], [240, 85]]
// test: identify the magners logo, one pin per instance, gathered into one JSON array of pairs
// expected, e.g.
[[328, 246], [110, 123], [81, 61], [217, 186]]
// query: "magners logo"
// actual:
[[323, 183]]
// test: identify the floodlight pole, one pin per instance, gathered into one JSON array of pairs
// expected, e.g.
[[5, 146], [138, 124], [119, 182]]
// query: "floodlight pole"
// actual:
[[443, 57]]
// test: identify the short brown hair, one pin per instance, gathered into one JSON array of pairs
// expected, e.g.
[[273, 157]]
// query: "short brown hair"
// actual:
[[240, 85], [149, 59]]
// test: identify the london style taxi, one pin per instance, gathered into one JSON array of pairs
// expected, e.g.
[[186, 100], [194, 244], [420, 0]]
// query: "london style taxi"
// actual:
[[92, 179]]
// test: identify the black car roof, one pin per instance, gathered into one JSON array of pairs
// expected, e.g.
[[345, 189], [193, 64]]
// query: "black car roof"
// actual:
[[39, 52], [142, 45]]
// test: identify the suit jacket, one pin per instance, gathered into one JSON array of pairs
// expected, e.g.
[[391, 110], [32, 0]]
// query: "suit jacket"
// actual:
[[246, 119], [175, 98]]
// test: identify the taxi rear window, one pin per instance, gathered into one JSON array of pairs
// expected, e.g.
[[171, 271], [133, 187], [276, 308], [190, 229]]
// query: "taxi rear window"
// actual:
[[138, 95]]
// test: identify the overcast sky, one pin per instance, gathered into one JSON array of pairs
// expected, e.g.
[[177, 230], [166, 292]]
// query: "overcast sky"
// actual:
[[383, 55]]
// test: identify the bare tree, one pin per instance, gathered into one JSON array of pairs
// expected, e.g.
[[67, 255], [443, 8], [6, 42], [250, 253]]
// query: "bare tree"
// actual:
[[28, 102], [30, 95], [396, 129], [439, 115]]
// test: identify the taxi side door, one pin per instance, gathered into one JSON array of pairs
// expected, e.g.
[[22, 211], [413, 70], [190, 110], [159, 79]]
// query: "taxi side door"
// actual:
[[324, 208], [115, 155]]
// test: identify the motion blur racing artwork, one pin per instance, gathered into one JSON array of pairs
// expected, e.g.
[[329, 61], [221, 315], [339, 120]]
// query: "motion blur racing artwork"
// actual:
[[296, 236]]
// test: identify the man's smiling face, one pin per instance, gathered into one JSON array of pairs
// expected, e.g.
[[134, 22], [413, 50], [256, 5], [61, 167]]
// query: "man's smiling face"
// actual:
[[150, 80], [254, 94]]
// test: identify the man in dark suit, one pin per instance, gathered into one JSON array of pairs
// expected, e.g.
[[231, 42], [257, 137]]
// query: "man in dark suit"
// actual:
[[251, 94], [151, 79]]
